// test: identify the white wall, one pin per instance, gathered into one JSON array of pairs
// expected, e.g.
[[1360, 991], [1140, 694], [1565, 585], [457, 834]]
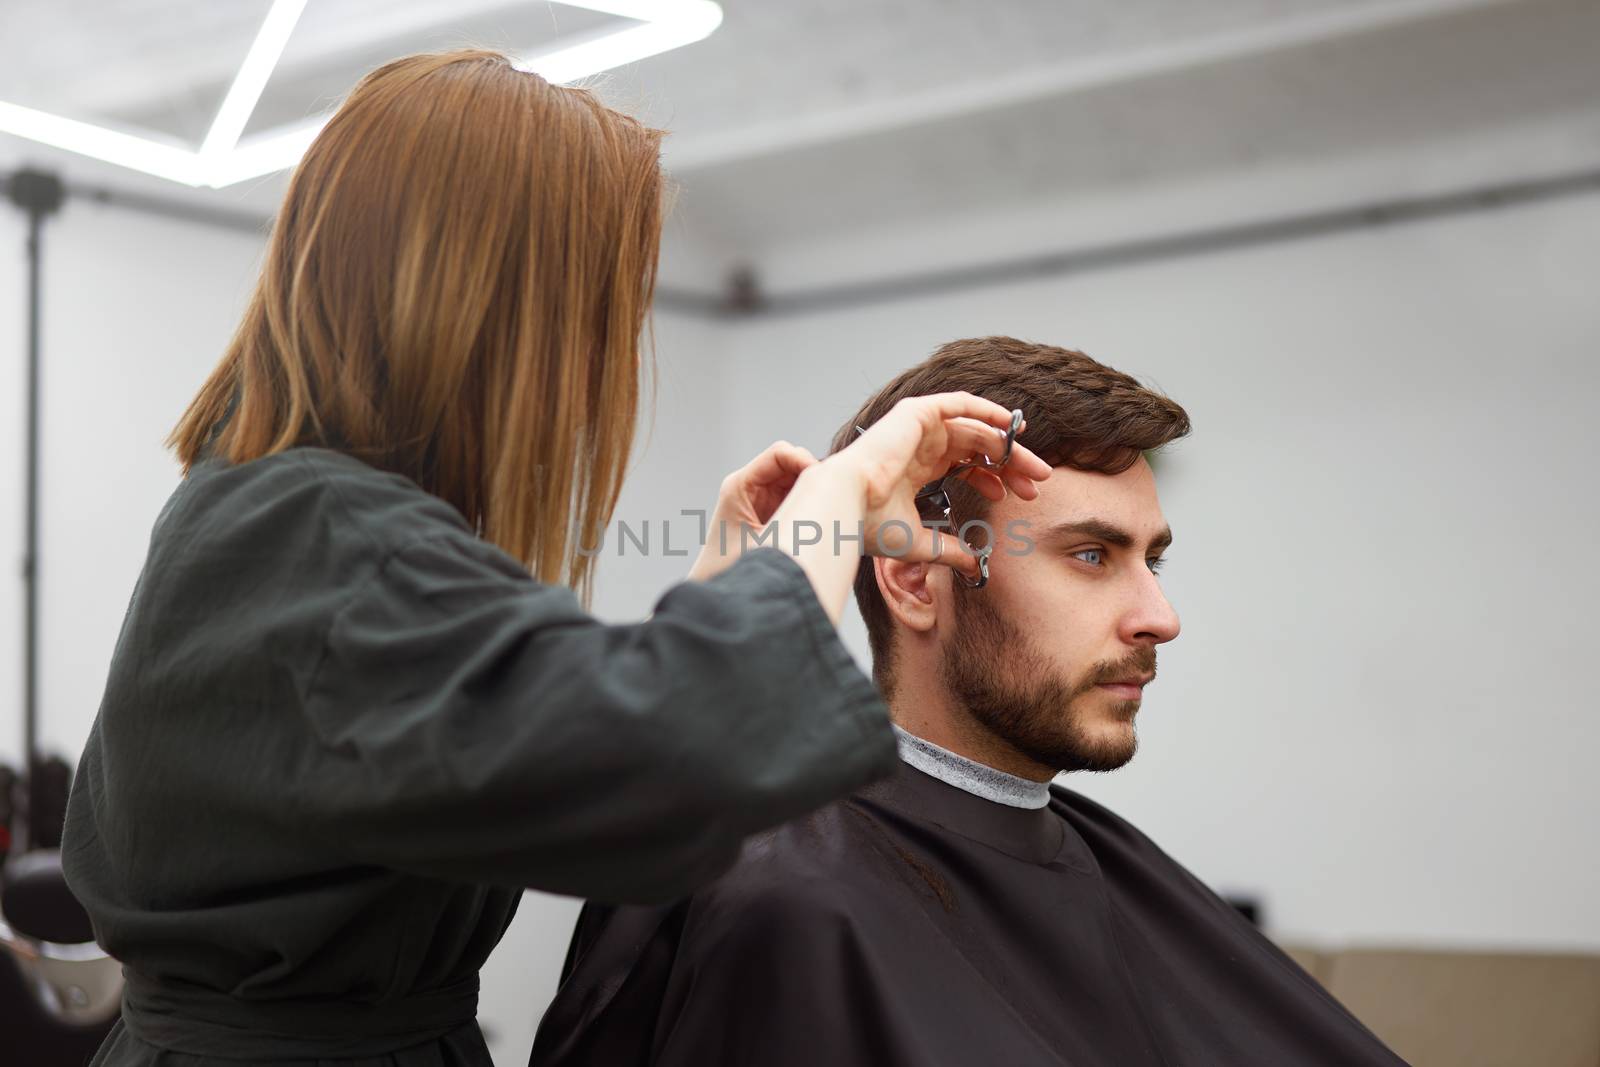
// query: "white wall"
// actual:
[[1376, 715], [125, 347], [135, 311]]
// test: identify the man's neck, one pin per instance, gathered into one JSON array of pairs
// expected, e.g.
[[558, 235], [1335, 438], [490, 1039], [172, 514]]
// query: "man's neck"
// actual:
[[974, 743], [970, 775]]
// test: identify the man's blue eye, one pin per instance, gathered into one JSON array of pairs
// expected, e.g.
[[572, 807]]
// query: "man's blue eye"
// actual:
[[1154, 564]]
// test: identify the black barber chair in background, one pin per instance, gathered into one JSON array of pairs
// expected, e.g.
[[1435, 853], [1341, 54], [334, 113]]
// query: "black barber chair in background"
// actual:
[[59, 993]]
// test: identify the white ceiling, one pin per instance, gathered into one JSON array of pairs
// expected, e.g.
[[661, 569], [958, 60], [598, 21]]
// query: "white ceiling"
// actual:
[[98, 57], [164, 66], [781, 72], [1469, 71], [799, 116]]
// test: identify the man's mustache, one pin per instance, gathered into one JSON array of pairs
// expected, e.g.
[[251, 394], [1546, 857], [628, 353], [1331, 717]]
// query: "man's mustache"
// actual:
[[1139, 664]]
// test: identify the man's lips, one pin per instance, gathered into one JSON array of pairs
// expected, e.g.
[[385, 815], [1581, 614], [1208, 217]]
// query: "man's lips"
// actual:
[[1127, 688]]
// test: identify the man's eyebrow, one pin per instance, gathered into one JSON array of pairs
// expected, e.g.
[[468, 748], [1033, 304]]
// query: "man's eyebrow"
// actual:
[[1108, 532]]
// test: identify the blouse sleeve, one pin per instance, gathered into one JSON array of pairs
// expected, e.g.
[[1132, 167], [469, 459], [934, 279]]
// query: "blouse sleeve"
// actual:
[[474, 724]]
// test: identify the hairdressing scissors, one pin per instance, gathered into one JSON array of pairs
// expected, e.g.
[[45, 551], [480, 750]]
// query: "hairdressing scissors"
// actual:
[[933, 501]]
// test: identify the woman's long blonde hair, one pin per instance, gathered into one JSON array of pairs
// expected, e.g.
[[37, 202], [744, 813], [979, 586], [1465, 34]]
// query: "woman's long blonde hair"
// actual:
[[455, 290]]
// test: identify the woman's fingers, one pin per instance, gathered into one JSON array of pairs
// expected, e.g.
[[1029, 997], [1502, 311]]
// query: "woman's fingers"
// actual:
[[795, 458], [968, 438], [780, 460], [920, 440], [751, 494], [1020, 484], [925, 545], [958, 405], [987, 482], [943, 546], [934, 425], [1025, 462], [773, 473]]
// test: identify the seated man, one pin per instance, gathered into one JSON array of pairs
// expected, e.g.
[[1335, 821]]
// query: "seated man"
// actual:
[[965, 911]]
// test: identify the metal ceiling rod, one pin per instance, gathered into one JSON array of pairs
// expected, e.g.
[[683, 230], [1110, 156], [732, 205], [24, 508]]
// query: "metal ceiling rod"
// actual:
[[163, 207], [745, 300], [39, 195]]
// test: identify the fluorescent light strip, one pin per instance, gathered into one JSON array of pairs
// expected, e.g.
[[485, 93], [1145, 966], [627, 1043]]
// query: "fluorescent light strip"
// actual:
[[87, 139], [264, 153], [252, 78], [624, 46], [224, 159]]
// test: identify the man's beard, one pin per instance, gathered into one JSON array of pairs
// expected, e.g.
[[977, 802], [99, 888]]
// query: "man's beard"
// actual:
[[992, 669]]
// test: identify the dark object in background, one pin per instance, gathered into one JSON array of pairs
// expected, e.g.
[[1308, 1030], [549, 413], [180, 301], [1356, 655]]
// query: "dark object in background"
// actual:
[[36, 902], [1249, 907], [8, 783], [58, 991], [743, 292], [31, 1038], [37, 907], [48, 786]]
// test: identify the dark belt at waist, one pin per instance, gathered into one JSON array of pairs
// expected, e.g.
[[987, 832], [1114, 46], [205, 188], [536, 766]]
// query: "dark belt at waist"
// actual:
[[203, 1022]]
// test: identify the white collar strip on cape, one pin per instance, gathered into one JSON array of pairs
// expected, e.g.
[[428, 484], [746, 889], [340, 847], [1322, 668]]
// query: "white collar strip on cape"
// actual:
[[971, 776]]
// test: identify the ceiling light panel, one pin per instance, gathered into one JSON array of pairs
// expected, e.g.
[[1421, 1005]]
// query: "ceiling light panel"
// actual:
[[166, 106]]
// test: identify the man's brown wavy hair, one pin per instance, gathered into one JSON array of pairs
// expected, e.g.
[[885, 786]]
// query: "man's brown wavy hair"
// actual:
[[455, 290], [1080, 413]]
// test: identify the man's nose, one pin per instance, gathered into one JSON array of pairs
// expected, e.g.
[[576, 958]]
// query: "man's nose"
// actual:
[[1151, 619]]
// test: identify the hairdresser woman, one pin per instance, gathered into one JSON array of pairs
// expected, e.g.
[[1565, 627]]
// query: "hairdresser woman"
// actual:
[[357, 705]]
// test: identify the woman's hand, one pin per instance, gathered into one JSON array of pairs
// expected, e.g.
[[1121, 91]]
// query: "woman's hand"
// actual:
[[919, 440], [748, 499], [869, 488]]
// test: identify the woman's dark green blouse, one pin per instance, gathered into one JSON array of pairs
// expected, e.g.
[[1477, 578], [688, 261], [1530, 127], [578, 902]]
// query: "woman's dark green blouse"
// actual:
[[341, 734]]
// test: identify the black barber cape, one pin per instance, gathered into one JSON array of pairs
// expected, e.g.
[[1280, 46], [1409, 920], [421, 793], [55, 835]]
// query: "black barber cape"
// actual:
[[341, 733], [917, 925]]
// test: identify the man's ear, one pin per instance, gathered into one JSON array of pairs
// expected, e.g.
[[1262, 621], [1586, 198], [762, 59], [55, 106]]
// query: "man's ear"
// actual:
[[908, 590]]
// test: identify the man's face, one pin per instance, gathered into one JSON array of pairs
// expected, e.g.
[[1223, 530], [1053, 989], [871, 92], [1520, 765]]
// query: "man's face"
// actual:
[[1034, 656]]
